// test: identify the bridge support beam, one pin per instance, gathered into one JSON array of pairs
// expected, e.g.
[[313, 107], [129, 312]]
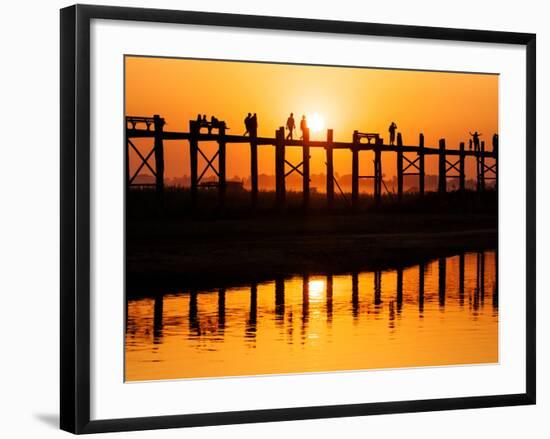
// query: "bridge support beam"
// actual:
[[378, 174], [193, 158], [462, 170], [399, 167], [355, 171], [442, 187], [222, 186], [330, 170], [159, 154], [482, 167], [280, 167], [421, 172], [253, 170], [305, 168]]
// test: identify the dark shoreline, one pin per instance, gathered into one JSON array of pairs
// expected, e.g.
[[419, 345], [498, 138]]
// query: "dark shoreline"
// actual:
[[166, 255]]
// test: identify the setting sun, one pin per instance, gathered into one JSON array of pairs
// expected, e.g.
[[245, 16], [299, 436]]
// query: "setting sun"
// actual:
[[316, 122]]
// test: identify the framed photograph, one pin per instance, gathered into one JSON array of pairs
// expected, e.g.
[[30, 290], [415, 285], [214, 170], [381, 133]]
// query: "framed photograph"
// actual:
[[267, 219]]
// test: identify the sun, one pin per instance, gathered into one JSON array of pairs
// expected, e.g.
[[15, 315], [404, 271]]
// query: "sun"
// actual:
[[316, 122]]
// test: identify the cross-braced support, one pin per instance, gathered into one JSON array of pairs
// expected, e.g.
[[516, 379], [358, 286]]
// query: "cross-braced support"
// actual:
[[486, 172], [416, 164], [197, 180], [377, 176], [301, 168], [453, 168], [134, 123]]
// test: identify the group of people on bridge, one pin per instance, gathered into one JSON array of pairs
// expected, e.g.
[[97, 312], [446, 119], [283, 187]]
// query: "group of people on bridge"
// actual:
[[474, 141], [291, 126], [214, 123], [251, 125]]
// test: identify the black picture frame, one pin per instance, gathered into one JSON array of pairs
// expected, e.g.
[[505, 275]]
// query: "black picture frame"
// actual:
[[75, 217]]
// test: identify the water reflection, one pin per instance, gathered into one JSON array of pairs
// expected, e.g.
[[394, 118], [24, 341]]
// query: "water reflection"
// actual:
[[430, 314]]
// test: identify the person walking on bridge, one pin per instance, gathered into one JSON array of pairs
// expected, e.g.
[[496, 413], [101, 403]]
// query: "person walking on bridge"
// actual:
[[290, 125], [303, 125], [475, 137], [392, 129], [247, 124], [254, 126]]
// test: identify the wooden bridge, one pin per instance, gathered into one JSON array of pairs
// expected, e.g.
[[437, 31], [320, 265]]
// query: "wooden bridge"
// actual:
[[410, 159]]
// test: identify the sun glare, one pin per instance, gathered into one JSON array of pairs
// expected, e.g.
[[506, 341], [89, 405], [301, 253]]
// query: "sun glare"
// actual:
[[316, 122], [316, 288]]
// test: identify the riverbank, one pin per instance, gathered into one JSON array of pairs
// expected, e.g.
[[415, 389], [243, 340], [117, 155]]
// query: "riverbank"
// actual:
[[176, 254]]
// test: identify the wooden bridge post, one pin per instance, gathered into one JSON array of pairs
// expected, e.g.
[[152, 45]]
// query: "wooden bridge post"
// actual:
[[482, 167], [222, 186], [127, 161], [193, 158], [355, 171], [253, 169], [462, 170], [442, 188], [378, 172], [399, 167], [305, 168], [280, 167], [330, 170], [421, 172], [159, 153]]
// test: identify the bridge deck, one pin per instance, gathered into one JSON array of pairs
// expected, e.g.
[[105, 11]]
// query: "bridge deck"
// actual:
[[231, 138]]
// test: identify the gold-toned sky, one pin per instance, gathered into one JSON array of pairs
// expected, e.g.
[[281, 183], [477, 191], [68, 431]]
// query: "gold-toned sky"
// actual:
[[441, 105]]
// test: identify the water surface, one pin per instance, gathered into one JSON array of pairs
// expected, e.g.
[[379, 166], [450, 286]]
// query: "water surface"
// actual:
[[444, 312]]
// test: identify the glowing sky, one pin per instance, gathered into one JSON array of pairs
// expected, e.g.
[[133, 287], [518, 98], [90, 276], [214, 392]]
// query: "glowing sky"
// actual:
[[441, 105]]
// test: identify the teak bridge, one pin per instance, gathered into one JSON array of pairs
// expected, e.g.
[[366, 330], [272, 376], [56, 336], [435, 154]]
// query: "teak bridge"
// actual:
[[410, 159]]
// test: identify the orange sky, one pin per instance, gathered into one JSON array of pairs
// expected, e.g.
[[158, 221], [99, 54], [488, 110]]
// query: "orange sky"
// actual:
[[441, 105]]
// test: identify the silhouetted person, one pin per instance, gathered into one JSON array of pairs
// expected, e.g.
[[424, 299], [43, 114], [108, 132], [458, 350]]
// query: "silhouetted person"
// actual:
[[214, 123], [247, 124], [303, 126], [290, 125], [470, 143], [254, 125], [495, 142], [475, 137], [392, 129]]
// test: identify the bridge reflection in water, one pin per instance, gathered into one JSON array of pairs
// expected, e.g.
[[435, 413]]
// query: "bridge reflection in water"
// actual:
[[438, 313]]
